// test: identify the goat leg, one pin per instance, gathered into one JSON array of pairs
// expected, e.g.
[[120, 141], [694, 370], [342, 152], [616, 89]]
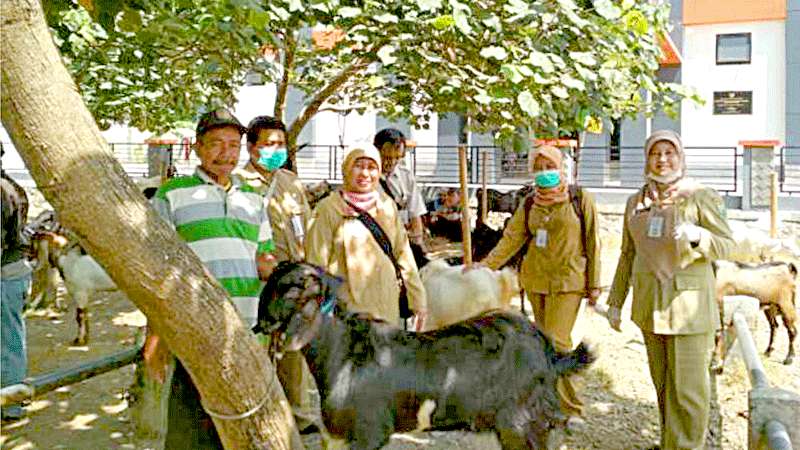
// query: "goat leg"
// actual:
[[773, 325], [792, 332], [82, 317]]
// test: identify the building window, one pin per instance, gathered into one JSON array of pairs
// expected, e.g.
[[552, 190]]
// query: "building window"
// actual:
[[734, 48], [253, 78], [615, 140]]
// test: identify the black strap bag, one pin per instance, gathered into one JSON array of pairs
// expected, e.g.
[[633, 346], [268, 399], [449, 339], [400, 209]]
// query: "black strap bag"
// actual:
[[383, 241]]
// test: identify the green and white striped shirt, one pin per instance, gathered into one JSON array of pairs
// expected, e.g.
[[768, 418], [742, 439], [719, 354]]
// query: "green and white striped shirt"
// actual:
[[226, 229]]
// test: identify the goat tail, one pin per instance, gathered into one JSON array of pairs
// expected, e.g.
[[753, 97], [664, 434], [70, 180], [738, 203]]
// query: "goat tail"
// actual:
[[574, 361]]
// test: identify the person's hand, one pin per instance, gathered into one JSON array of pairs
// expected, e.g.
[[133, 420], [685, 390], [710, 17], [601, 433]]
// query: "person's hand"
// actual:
[[419, 319], [156, 358], [594, 294], [688, 231], [615, 318]]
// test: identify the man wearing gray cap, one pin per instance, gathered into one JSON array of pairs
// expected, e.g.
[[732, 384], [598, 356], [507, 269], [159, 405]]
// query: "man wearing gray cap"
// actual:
[[225, 222]]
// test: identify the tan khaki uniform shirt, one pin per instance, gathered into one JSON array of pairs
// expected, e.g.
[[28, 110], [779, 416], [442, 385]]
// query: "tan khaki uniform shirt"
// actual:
[[685, 304], [557, 264], [287, 207], [406, 191], [341, 244]]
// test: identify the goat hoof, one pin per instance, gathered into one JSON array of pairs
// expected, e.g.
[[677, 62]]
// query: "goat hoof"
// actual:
[[788, 361], [80, 342], [717, 369]]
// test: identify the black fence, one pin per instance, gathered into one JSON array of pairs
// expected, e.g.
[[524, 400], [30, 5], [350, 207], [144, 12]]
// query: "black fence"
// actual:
[[597, 167], [789, 175]]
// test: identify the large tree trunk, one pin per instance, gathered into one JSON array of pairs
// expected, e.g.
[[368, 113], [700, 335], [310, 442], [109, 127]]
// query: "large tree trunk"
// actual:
[[70, 162]]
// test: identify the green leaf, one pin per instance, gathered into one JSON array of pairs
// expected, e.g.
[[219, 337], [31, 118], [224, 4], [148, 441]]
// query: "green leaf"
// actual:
[[637, 22], [498, 53], [349, 12], [386, 18], [131, 20], [585, 58], [429, 5], [385, 55], [375, 81], [482, 98], [296, 5], [607, 9], [573, 83], [528, 104], [512, 72], [559, 91], [541, 61], [443, 22]]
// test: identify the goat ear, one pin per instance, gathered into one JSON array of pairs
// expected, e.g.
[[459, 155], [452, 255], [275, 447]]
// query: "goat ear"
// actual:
[[303, 327]]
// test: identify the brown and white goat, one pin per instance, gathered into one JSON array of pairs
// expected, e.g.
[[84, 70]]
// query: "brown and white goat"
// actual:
[[82, 275], [773, 284]]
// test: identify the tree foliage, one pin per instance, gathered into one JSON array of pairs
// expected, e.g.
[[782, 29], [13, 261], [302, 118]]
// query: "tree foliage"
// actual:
[[552, 66]]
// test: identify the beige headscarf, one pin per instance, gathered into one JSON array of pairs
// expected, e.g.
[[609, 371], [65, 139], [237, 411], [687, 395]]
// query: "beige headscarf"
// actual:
[[560, 193], [366, 200], [674, 181]]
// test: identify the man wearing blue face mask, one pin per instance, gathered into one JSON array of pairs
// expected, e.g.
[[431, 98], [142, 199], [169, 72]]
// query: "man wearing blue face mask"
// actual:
[[289, 212]]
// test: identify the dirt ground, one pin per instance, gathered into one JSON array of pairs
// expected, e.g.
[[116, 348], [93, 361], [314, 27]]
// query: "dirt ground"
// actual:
[[620, 401]]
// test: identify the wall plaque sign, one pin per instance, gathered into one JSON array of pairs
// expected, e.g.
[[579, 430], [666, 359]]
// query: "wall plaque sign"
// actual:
[[733, 102]]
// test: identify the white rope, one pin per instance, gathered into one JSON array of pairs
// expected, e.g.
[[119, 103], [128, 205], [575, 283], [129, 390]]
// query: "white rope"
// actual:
[[243, 415]]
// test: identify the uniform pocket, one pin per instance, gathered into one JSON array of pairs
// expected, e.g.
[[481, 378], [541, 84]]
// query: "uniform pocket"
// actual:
[[689, 282]]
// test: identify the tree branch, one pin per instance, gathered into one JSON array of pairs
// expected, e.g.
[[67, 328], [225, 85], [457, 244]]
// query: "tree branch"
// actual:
[[288, 67], [337, 81]]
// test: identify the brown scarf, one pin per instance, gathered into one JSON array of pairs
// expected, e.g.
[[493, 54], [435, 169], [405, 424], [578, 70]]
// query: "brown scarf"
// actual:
[[560, 193]]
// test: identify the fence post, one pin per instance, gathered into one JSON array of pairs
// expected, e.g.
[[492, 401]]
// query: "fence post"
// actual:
[[773, 205], [758, 159]]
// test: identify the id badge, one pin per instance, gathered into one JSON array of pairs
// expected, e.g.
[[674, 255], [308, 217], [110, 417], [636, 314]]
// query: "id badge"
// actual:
[[655, 227], [297, 227], [541, 238]]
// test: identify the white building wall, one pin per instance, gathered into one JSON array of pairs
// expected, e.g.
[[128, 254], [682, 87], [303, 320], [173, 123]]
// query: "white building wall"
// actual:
[[765, 76]]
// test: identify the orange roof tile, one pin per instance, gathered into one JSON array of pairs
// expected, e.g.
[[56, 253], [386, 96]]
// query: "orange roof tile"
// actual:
[[670, 56]]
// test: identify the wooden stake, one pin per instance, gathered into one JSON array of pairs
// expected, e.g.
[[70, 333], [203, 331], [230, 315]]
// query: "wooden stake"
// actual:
[[484, 196], [773, 205], [465, 228]]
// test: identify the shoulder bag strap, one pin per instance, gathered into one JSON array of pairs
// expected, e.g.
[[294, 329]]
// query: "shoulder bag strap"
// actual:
[[379, 235]]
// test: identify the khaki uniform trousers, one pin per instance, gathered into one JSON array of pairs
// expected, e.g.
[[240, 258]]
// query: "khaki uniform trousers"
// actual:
[[294, 375], [679, 367], [555, 315]]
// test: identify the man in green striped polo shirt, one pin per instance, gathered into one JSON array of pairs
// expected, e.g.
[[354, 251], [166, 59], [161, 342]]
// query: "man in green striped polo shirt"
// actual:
[[225, 222]]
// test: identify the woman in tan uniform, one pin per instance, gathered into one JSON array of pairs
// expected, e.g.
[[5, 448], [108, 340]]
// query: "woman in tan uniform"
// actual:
[[339, 242], [560, 266], [673, 229]]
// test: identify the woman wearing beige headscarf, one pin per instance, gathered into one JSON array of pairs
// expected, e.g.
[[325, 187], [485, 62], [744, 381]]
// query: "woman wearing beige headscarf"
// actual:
[[673, 229], [560, 266], [339, 242]]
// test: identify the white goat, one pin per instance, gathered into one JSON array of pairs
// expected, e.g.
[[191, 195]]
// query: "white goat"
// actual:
[[83, 276], [454, 296]]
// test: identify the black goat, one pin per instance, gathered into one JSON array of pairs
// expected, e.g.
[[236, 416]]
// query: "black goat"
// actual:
[[494, 372], [507, 202]]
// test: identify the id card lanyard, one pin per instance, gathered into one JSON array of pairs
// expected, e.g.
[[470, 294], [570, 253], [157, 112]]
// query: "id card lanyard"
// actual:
[[541, 234]]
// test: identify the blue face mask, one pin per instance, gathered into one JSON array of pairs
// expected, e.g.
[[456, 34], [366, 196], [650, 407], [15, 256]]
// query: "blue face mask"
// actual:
[[272, 158], [547, 178]]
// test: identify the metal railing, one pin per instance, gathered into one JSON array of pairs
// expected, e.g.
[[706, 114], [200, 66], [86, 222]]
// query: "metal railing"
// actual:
[[773, 429], [598, 167], [42, 384], [789, 173], [716, 167]]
